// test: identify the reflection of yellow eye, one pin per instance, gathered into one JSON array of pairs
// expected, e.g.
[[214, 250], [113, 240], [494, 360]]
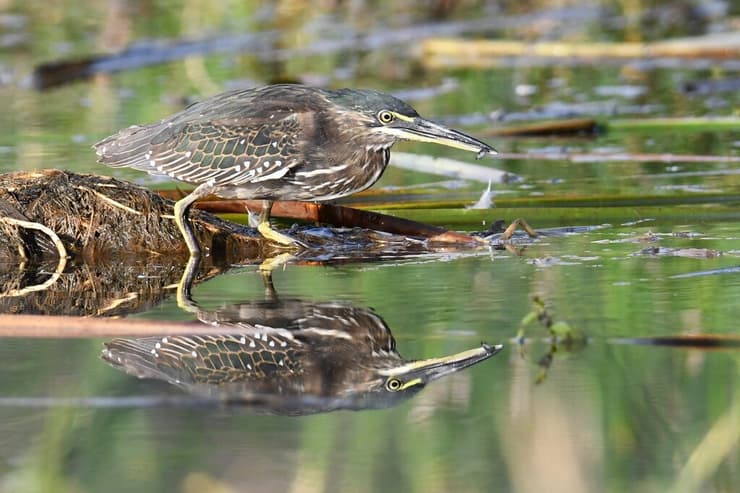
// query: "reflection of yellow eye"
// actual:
[[386, 116], [393, 384]]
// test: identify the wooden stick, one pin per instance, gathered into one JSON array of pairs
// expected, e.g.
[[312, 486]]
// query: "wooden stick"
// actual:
[[700, 341], [574, 126], [448, 53], [64, 327]]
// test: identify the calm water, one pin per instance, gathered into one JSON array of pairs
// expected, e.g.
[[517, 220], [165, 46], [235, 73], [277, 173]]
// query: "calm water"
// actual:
[[609, 415]]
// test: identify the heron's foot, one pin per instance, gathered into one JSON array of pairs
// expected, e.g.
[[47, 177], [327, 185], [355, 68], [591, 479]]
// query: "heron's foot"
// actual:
[[266, 230], [270, 264], [265, 270], [518, 224]]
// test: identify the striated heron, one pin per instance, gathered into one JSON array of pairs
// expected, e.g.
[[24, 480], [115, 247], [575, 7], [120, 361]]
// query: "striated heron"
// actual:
[[279, 142], [289, 357]]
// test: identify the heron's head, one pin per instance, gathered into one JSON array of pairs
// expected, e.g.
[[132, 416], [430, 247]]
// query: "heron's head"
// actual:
[[385, 119], [394, 380]]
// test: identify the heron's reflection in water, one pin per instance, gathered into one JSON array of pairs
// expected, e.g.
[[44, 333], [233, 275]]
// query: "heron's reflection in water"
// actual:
[[289, 356]]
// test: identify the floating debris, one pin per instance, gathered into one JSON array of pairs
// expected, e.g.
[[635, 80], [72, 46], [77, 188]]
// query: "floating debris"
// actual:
[[448, 84], [712, 86], [689, 341], [710, 272], [485, 201], [450, 168], [681, 252], [624, 91], [577, 127], [525, 90]]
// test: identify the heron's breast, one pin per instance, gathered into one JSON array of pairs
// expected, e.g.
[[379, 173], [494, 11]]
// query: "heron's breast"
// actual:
[[318, 180], [356, 172]]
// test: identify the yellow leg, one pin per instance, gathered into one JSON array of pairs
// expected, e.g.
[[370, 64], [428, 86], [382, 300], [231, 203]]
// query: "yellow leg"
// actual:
[[518, 223], [266, 230], [265, 270], [181, 209], [184, 300]]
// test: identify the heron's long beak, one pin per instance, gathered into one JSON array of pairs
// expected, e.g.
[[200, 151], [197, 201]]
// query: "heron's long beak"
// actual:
[[426, 370], [422, 130]]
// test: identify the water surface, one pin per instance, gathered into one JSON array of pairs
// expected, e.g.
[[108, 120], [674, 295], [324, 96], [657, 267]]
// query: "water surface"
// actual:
[[607, 415]]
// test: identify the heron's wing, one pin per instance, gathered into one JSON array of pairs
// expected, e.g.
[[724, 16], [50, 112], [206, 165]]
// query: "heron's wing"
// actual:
[[241, 136], [229, 151], [211, 359], [254, 103]]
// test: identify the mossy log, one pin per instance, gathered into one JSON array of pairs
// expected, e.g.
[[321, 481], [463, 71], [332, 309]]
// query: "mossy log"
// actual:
[[95, 217], [90, 245]]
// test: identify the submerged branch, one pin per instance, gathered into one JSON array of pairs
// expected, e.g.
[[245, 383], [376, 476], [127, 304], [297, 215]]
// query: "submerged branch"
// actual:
[[688, 341], [65, 327], [590, 126]]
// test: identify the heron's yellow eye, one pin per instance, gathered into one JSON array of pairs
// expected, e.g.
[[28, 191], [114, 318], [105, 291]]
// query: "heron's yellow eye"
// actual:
[[393, 384], [386, 116]]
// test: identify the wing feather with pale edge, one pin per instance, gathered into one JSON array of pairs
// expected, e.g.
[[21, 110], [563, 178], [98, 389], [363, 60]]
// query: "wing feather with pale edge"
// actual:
[[223, 139]]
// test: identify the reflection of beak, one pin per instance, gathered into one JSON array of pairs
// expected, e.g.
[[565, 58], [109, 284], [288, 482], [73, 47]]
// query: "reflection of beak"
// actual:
[[422, 130], [426, 370]]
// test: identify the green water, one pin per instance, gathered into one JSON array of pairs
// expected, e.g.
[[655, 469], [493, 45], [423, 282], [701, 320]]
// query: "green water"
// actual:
[[608, 416]]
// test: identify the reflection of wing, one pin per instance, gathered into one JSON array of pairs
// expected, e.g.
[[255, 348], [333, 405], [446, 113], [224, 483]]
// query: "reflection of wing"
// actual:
[[329, 356], [208, 359], [362, 325], [317, 323]]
